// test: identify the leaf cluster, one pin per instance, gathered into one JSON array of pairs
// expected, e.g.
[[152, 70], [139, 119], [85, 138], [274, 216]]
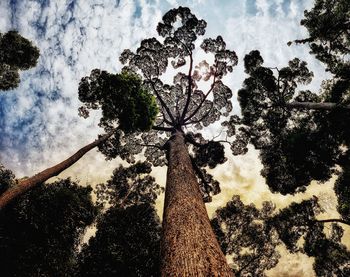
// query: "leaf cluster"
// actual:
[[126, 244], [122, 98], [244, 234], [129, 186], [329, 38], [16, 53], [41, 229]]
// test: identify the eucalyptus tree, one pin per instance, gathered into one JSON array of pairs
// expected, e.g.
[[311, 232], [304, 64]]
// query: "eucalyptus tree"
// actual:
[[129, 108], [16, 53]]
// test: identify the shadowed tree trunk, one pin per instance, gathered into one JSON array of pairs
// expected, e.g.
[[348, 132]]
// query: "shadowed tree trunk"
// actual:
[[23, 185], [189, 246], [316, 106]]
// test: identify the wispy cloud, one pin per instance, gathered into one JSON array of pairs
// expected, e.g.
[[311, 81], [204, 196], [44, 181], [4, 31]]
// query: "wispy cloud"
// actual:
[[39, 122]]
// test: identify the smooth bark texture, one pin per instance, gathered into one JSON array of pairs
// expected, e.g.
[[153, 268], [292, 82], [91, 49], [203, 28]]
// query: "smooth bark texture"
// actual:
[[23, 185], [316, 106], [189, 246]]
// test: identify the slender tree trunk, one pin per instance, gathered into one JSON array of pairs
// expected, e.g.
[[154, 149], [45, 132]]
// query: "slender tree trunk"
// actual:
[[316, 106], [189, 246], [24, 185]]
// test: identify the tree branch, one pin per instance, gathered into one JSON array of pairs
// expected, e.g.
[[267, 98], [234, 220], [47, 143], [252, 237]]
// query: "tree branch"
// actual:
[[201, 103], [160, 128], [316, 106], [189, 92], [202, 118], [339, 220], [163, 105]]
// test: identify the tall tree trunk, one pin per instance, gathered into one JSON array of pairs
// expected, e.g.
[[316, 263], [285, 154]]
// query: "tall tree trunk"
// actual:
[[24, 185], [316, 106], [189, 246]]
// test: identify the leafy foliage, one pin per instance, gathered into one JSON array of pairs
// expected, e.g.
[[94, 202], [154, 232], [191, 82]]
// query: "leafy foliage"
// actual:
[[331, 257], [342, 190], [16, 53], [299, 229], [244, 234], [126, 244], [210, 154], [130, 186], [121, 97], [329, 37], [7, 179], [295, 146], [40, 230], [127, 239], [250, 237]]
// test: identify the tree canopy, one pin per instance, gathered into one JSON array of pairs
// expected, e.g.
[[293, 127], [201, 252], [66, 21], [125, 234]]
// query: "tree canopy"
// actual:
[[127, 239], [251, 236], [16, 53], [41, 230]]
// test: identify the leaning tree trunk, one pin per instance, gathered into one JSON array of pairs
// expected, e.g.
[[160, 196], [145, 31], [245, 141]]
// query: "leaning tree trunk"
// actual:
[[24, 185], [316, 106], [189, 246]]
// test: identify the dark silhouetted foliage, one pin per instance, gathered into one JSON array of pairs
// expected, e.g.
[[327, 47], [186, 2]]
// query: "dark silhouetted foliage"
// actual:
[[299, 229], [16, 53], [129, 186], [126, 244], [250, 237], [40, 230], [245, 236], [7, 179], [127, 239], [329, 38]]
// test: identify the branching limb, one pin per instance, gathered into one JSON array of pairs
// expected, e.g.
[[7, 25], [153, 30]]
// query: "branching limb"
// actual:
[[163, 105], [189, 91], [337, 220], [201, 103], [160, 128], [202, 118]]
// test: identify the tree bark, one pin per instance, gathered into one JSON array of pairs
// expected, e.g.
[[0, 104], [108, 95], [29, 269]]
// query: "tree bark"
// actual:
[[316, 106], [24, 185], [189, 246]]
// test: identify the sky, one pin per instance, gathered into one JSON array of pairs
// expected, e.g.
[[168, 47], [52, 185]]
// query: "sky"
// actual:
[[39, 122]]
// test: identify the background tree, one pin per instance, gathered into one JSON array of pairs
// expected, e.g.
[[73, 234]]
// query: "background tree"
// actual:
[[250, 236], [300, 230], [246, 237], [16, 53], [126, 106], [302, 136], [126, 243], [41, 230], [127, 240]]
